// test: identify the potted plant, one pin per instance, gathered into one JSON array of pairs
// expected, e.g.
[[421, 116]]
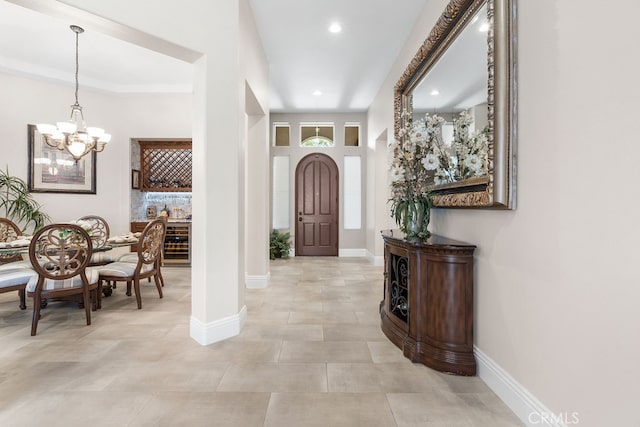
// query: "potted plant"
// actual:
[[18, 205], [279, 244]]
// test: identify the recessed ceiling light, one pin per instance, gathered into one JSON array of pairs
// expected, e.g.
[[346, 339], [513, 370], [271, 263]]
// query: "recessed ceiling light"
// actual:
[[335, 28], [484, 27], [435, 92], [317, 92]]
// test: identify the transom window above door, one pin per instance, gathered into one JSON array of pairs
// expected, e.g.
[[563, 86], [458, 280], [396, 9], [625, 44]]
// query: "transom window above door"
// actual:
[[281, 134], [317, 135]]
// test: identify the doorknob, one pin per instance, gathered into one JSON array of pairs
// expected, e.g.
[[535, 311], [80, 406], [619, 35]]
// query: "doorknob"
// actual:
[[300, 219]]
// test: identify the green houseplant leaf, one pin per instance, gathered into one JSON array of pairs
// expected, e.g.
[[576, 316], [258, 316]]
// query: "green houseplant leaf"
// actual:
[[279, 244], [18, 205]]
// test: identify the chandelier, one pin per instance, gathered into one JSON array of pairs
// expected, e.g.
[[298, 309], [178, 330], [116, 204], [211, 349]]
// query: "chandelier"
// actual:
[[74, 136]]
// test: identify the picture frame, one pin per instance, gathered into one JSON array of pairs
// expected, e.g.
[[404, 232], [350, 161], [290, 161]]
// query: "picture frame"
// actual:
[[135, 179], [55, 171]]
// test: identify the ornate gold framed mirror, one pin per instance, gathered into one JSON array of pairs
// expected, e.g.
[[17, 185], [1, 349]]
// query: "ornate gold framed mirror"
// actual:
[[463, 78]]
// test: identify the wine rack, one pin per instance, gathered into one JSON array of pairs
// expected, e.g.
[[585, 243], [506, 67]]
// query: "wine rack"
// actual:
[[165, 165]]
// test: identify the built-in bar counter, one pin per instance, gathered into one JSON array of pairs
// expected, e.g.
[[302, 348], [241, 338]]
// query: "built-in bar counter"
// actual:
[[177, 242]]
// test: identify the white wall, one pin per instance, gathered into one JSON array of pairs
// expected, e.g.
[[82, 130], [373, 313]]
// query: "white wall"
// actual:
[[256, 95], [124, 116], [556, 280]]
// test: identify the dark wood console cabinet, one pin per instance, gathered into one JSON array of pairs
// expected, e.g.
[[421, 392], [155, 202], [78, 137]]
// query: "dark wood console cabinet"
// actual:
[[427, 310]]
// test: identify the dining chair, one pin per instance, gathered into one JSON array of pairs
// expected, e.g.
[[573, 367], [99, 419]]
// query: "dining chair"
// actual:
[[9, 232], [147, 264], [99, 236], [132, 257], [59, 254], [16, 280]]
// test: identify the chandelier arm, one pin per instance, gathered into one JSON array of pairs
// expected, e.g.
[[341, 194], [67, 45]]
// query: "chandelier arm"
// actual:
[[99, 147], [48, 140]]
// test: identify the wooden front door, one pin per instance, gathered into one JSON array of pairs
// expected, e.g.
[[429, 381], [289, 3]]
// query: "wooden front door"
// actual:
[[317, 206]]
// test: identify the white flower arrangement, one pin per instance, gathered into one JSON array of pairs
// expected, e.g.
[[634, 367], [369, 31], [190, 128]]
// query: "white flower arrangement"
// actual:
[[466, 157], [410, 197], [422, 159]]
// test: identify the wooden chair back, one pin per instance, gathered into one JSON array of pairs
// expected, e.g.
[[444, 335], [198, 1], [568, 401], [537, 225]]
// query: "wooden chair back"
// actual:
[[151, 242], [99, 229], [60, 251], [9, 231]]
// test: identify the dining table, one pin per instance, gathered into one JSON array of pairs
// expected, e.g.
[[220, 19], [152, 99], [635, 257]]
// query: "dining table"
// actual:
[[21, 247]]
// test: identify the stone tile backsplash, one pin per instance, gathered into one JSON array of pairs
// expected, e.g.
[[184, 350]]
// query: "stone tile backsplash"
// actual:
[[179, 204]]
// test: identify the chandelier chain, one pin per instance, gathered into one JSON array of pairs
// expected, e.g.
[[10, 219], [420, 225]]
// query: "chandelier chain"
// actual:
[[77, 67]]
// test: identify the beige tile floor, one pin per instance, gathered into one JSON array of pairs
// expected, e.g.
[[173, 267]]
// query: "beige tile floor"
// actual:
[[310, 354]]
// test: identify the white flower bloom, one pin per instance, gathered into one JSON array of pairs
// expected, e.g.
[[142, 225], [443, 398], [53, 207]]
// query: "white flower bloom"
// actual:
[[397, 173], [431, 162], [433, 121], [409, 146], [473, 162]]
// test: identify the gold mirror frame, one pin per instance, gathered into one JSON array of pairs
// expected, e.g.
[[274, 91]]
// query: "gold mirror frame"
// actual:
[[498, 190]]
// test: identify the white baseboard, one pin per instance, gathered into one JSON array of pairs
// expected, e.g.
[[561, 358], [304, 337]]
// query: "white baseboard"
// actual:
[[352, 252], [526, 406], [375, 260], [257, 281], [221, 329]]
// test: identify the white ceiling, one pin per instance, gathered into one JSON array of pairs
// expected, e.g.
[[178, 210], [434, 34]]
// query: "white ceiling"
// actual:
[[348, 67], [41, 46]]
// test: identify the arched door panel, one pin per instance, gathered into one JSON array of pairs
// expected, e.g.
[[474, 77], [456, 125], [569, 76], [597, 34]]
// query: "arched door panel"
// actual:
[[317, 206]]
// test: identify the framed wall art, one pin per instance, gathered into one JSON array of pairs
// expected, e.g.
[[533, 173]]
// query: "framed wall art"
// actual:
[[55, 171]]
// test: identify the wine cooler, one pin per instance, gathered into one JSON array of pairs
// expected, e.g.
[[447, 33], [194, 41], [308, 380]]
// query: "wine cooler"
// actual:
[[177, 245]]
